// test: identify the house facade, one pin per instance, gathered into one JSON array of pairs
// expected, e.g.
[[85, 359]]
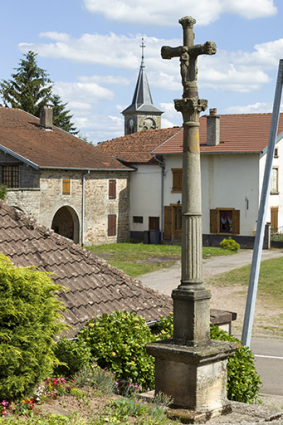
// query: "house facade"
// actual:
[[61, 181], [233, 154]]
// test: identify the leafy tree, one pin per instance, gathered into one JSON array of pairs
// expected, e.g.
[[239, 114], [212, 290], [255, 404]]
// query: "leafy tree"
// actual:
[[61, 116], [30, 89], [30, 86]]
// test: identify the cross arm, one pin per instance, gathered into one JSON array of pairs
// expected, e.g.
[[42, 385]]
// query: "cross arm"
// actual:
[[172, 52], [208, 48]]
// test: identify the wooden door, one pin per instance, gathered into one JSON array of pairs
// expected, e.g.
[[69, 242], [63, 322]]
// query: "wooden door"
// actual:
[[177, 222], [167, 222]]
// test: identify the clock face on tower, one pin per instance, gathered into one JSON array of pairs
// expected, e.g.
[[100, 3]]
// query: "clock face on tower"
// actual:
[[149, 124]]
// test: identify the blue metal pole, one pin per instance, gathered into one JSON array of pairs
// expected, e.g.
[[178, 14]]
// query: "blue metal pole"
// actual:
[[253, 283]]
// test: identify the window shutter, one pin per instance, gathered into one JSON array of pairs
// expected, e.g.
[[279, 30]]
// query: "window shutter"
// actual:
[[213, 221], [167, 222], [177, 180], [274, 218], [112, 219], [236, 222], [112, 189], [66, 187]]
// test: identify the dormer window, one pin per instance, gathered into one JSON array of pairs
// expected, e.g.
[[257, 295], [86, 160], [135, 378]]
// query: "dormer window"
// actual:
[[10, 176]]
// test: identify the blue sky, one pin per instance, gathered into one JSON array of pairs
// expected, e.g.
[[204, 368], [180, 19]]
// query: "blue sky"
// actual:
[[91, 50]]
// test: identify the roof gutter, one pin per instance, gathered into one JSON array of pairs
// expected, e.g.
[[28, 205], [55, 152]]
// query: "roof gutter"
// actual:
[[82, 169]]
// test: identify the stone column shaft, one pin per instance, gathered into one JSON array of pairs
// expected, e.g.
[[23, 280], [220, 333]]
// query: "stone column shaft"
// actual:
[[191, 207]]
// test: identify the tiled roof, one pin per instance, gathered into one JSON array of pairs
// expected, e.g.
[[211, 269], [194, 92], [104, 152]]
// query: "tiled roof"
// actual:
[[21, 133], [238, 133], [94, 286], [137, 147]]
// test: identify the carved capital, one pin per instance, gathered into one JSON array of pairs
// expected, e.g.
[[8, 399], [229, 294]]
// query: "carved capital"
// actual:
[[190, 108], [187, 22]]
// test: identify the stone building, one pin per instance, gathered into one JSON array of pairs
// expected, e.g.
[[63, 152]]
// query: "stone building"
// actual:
[[61, 181]]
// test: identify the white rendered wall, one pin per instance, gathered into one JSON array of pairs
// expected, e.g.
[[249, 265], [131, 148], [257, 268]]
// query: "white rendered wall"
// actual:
[[145, 195], [274, 200], [228, 181]]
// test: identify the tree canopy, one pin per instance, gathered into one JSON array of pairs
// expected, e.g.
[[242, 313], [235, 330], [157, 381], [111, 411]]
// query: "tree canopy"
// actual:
[[30, 88]]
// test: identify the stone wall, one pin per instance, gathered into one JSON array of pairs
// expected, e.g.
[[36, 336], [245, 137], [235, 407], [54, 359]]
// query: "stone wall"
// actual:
[[43, 203]]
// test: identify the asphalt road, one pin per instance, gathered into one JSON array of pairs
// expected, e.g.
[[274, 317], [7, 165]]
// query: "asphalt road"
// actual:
[[269, 364], [268, 352], [166, 280]]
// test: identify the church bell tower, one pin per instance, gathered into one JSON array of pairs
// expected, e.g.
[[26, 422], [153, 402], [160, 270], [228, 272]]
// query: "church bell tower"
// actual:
[[141, 114]]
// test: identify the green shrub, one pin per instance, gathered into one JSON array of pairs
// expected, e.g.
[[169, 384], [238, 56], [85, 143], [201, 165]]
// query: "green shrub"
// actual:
[[3, 192], [243, 382], [230, 244], [30, 319], [73, 356], [117, 341]]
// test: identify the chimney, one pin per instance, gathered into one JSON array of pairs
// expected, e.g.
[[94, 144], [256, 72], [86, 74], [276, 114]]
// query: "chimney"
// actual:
[[213, 128], [46, 117]]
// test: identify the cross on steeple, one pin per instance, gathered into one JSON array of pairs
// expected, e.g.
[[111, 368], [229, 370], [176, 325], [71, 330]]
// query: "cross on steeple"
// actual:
[[143, 46], [188, 54]]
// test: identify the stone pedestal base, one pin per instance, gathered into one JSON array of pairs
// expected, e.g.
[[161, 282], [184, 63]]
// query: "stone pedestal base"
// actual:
[[195, 377], [191, 315]]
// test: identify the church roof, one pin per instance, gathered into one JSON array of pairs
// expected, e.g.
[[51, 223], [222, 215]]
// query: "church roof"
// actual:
[[142, 100], [94, 286], [22, 137]]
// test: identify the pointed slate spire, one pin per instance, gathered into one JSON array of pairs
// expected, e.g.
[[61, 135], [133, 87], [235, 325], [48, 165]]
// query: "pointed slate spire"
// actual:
[[142, 100]]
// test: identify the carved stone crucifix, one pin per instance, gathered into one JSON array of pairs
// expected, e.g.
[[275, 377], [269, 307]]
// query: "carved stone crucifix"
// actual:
[[188, 54]]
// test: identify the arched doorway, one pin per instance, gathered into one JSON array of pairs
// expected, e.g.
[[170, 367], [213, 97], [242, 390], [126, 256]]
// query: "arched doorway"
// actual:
[[66, 223]]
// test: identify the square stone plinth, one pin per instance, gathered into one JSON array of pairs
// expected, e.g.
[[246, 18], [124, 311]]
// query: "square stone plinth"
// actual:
[[195, 377]]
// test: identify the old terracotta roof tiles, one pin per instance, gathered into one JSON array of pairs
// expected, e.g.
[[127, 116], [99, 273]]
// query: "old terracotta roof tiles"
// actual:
[[137, 147], [20, 133], [240, 133], [94, 286]]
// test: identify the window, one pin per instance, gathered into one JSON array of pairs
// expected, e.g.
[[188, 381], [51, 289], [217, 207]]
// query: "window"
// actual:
[[137, 219], [111, 230], [66, 187], [10, 176], [177, 179], [153, 223], [112, 189], [274, 181], [276, 153], [225, 220]]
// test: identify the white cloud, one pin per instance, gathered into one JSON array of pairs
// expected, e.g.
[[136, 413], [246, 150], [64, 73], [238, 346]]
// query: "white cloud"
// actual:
[[170, 111], [160, 13], [256, 108], [107, 50], [106, 79], [168, 124], [82, 92], [266, 55]]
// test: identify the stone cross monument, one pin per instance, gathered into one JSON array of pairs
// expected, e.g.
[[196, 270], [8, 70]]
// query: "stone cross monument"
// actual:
[[191, 367]]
